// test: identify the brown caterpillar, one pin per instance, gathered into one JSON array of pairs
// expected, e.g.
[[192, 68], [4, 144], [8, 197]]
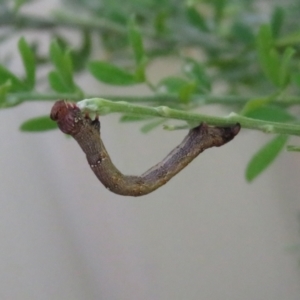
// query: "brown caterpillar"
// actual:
[[86, 132]]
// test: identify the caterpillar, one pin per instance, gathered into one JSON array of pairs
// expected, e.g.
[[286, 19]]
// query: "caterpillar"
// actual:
[[86, 132]]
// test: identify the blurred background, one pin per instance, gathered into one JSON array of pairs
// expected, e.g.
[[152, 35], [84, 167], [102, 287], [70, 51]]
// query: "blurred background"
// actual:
[[207, 234]]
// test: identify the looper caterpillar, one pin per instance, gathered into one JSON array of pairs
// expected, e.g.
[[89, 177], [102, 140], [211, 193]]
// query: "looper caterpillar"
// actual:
[[86, 132]]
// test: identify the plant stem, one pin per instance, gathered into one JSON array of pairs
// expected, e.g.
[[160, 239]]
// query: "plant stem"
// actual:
[[23, 21], [97, 24], [168, 98], [103, 106]]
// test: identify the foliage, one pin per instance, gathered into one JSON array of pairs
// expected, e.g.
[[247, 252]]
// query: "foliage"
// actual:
[[254, 53]]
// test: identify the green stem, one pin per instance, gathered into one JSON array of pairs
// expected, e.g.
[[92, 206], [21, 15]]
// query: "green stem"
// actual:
[[201, 99], [72, 21], [89, 23], [103, 106], [33, 96], [23, 21]]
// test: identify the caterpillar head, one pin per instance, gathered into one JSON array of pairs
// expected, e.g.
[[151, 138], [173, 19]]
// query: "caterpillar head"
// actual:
[[68, 116]]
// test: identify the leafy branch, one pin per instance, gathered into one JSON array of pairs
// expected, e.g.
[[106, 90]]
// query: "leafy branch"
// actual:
[[102, 106], [207, 99], [213, 41]]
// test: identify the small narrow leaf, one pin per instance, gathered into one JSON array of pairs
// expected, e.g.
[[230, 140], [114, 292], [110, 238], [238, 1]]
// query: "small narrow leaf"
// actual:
[[37, 124], [176, 85], [270, 113], [292, 39], [196, 19], [160, 22], [4, 88], [264, 40], [219, 6], [176, 127], [256, 103], [293, 148], [136, 41], [268, 56], [16, 84], [187, 91], [171, 85], [110, 74], [152, 125], [277, 20], [56, 82], [195, 71], [272, 67], [56, 54], [63, 63], [67, 71], [284, 73], [80, 56], [265, 156], [243, 32], [296, 78], [28, 62], [140, 74]]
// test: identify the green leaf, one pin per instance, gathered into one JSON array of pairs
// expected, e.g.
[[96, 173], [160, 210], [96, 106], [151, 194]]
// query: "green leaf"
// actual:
[[63, 63], [277, 21], [296, 78], [16, 84], [265, 156], [187, 91], [291, 39], [196, 19], [60, 45], [37, 124], [152, 125], [196, 71], [270, 113], [171, 85], [219, 6], [79, 57], [67, 71], [160, 22], [256, 103], [140, 74], [293, 148], [176, 85], [28, 62], [273, 67], [57, 83], [136, 41], [176, 127], [284, 72], [243, 32], [4, 88], [110, 74], [56, 54], [268, 56]]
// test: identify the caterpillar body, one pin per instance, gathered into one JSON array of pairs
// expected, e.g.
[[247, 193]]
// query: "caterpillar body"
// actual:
[[86, 132]]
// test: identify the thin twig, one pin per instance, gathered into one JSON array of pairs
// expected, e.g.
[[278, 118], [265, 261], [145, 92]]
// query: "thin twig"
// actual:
[[166, 98], [103, 106]]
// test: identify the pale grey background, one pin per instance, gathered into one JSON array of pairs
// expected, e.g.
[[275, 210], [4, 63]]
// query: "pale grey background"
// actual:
[[206, 235]]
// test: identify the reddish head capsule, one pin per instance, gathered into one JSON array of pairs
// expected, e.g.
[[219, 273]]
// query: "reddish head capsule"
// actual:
[[67, 115]]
